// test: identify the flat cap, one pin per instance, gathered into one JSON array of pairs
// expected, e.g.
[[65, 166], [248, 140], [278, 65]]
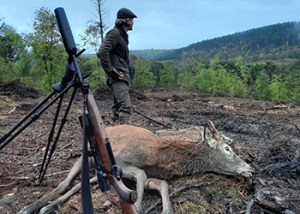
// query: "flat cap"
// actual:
[[125, 13]]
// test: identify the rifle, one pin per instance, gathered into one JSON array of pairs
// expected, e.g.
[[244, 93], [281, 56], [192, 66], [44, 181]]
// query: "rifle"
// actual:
[[108, 172]]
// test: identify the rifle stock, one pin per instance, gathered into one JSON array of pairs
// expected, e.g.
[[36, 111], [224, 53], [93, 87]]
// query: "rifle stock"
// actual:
[[127, 196]]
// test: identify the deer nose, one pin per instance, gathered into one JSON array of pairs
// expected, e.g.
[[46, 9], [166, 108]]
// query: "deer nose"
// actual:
[[248, 172]]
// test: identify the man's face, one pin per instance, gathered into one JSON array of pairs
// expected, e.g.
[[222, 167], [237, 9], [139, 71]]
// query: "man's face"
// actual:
[[129, 23]]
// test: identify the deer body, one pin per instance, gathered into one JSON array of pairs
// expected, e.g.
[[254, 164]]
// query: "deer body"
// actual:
[[151, 159], [159, 158]]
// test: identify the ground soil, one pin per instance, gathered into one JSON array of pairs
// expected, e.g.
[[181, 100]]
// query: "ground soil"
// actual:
[[265, 134]]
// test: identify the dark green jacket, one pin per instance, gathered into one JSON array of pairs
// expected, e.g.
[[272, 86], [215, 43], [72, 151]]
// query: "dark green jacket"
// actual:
[[114, 53]]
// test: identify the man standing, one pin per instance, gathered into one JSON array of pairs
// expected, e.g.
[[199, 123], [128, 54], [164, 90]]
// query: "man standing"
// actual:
[[114, 58]]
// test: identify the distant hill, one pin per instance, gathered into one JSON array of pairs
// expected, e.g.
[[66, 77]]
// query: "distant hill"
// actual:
[[274, 42], [149, 54]]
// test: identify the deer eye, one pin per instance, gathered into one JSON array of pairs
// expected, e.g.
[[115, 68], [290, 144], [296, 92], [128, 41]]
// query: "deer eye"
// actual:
[[227, 148]]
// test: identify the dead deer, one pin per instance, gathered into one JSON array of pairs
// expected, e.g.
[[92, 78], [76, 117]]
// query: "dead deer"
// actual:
[[150, 159]]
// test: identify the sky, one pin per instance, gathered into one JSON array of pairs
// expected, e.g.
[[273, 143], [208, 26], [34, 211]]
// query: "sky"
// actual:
[[161, 24]]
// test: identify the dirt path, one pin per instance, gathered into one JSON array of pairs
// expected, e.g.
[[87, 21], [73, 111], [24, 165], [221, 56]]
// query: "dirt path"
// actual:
[[266, 135]]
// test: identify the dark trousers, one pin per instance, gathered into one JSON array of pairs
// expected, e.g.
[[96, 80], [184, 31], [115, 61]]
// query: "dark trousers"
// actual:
[[121, 108]]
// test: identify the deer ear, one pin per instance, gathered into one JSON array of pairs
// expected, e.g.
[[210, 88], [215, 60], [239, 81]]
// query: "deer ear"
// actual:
[[200, 134], [212, 127], [208, 138]]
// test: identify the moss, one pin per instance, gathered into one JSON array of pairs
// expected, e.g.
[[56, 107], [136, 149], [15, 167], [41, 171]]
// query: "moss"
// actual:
[[190, 208]]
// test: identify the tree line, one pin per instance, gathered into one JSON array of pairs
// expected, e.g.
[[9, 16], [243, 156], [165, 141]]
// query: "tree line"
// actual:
[[38, 59], [274, 42], [263, 80]]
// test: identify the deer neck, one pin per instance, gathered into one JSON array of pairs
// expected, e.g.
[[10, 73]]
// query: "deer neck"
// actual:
[[182, 158]]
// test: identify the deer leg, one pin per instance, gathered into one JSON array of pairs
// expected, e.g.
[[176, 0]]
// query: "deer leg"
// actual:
[[134, 173], [62, 187], [162, 187], [54, 205]]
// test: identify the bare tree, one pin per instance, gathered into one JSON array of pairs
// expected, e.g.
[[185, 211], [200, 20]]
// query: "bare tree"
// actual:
[[96, 28], [99, 4]]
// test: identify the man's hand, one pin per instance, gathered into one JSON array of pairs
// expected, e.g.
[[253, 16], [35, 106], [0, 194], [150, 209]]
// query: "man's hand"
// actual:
[[117, 74]]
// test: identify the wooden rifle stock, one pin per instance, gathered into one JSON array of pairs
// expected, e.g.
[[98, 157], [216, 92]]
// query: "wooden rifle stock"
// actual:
[[127, 196]]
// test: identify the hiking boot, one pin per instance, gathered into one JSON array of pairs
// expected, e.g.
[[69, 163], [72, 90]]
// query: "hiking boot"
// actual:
[[115, 119], [124, 118]]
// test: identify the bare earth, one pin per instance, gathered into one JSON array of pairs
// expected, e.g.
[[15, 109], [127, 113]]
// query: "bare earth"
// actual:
[[265, 134]]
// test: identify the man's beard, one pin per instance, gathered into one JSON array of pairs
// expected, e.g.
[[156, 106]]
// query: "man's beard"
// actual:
[[129, 27]]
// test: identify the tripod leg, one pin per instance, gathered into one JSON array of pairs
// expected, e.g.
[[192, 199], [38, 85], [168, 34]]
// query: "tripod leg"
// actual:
[[50, 137], [87, 205], [63, 121]]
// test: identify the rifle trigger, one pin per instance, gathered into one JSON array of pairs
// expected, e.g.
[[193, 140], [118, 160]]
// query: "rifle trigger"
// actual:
[[117, 172]]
